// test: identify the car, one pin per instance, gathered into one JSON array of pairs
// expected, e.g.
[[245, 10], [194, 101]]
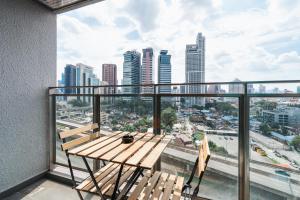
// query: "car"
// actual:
[[231, 138], [282, 172], [225, 138]]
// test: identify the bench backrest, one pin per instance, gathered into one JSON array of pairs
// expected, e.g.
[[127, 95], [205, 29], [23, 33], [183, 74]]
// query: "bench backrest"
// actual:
[[203, 158], [81, 132]]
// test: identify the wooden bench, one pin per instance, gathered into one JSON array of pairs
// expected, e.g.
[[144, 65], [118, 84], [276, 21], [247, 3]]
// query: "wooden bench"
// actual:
[[74, 140], [167, 186]]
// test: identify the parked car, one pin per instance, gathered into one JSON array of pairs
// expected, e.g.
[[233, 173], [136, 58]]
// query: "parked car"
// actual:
[[282, 172]]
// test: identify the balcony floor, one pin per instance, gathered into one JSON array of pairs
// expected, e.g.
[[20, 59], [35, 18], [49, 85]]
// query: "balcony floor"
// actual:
[[48, 190]]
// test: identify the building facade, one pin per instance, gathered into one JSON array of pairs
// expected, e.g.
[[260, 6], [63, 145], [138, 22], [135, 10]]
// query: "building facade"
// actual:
[[70, 78], [236, 88], [164, 71], [109, 75], [147, 70], [131, 71], [195, 67], [289, 116]]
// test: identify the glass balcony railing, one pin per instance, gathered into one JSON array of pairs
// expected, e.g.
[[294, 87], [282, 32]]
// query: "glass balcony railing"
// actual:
[[253, 130]]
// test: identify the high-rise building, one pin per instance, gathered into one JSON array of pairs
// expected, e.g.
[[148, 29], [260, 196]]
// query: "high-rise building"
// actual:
[[147, 70], [85, 77], [195, 67], [236, 88], [109, 75], [262, 89], [131, 71], [298, 89], [70, 78], [214, 89], [80, 75], [164, 71]]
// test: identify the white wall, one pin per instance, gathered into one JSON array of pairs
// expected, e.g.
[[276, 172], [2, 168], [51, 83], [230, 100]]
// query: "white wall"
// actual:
[[27, 68]]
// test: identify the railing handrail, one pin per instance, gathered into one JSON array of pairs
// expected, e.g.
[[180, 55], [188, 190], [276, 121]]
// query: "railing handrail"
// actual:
[[172, 84]]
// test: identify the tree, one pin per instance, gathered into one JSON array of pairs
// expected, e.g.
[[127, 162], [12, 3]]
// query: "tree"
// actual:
[[168, 117], [296, 142], [198, 107], [265, 129], [78, 103]]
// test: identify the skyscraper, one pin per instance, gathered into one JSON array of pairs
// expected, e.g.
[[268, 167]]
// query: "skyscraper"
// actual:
[[109, 75], [164, 71], [85, 77], [131, 71], [147, 70], [236, 88], [195, 67], [80, 75], [70, 78]]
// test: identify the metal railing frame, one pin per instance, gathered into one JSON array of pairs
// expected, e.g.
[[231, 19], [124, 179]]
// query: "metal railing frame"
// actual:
[[244, 106]]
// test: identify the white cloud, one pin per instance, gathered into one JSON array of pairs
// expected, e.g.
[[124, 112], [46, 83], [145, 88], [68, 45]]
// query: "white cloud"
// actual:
[[245, 43]]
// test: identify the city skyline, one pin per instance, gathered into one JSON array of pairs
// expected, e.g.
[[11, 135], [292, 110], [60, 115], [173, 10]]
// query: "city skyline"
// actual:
[[244, 40]]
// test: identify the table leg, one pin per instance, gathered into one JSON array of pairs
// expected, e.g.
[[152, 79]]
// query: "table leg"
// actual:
[[138, 171], [93, 178], [114, 195]]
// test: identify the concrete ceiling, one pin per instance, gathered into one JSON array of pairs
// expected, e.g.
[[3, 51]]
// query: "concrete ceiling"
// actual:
[[61, 6]]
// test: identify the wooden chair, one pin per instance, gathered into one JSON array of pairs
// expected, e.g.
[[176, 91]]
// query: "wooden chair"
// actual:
[[166, 186], [105, 178]]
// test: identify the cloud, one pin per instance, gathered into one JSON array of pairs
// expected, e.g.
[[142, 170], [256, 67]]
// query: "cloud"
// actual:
[[145, 12], [253, 40], [133, 35], [122, 22]]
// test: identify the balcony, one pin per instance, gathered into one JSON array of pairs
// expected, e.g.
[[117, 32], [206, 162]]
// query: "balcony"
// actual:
[[246, 158], [252, 134]]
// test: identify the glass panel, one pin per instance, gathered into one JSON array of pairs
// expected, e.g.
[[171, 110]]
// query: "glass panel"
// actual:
[[72, 112], [187, 119], [275, 148], [130, 113]]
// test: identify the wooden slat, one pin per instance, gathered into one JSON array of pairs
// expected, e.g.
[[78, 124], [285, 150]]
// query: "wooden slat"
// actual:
[[140, 154], [89, 179], [122, 157], [122, 147], [100, 145], [206, 149], [108, 182], [152, 157], [105, 149], [103, 178], [137, 191], [123, 179], [92, 143], [200, 166], [178, 188], [151, 184], [159, 186], [76, 131], [168, 187], [75, 142]]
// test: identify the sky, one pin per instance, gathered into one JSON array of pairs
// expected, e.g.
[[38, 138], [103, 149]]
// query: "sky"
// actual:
[[248, 40]]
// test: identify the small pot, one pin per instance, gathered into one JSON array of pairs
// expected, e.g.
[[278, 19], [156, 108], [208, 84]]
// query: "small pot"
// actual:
[[127, 139]]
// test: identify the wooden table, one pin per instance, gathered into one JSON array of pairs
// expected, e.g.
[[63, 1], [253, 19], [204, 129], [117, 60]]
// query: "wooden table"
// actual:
[[142, 153]]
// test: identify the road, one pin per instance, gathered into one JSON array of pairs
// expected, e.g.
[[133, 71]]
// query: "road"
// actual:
[[279, 184]]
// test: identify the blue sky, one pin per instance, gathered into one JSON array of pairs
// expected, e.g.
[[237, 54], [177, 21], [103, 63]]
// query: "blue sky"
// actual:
[[249, 39]]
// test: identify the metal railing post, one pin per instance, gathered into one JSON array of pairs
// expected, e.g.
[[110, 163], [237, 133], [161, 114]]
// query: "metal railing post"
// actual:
[[52, 131], [156, 121], [244, 181], [96, 119], [156, 112]]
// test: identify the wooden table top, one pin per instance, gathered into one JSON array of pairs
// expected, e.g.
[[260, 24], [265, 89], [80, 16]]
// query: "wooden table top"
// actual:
[[143, 152]]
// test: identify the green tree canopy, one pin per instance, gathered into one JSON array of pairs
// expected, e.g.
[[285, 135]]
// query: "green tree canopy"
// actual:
[[168, 117], [296, 142]]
